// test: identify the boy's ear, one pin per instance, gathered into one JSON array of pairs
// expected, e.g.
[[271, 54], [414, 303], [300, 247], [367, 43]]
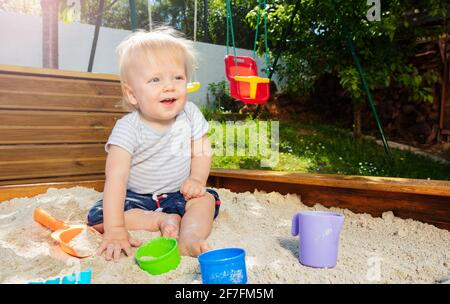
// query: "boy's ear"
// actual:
[[128, 94]]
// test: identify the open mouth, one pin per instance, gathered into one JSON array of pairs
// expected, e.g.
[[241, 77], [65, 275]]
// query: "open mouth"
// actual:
[[168, 101]]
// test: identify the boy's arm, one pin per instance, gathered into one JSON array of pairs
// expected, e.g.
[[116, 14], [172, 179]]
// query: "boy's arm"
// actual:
[[194, 186], [117, 170], [116, 237], [201, 159]]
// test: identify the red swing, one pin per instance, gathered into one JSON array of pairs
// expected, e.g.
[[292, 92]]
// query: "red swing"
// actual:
[[242, 71], [245, 85]]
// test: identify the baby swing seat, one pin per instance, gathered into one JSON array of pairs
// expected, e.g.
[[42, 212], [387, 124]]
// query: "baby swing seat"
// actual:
[[245, 84]]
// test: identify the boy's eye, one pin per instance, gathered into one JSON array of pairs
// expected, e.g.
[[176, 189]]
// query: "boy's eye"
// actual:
[[154, 79], [180, 77]]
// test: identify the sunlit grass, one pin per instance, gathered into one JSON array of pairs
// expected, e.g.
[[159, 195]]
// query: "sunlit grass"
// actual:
[[317, 148]]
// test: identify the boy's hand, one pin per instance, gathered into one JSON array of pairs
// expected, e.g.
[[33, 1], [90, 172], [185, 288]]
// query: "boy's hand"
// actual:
[[116, 239], [192, 188]]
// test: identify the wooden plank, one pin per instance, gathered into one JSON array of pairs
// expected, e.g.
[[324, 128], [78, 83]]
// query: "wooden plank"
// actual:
[[56, 101], [29, 190], [53, 135], [35, 84], [32, 161], [59, 179], [25, 127], [385, 184], [18, 118], [52, 167], [36, 153], [14, 69]]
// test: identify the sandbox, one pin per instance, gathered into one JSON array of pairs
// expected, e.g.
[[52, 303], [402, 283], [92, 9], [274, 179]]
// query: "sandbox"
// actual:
[[383, 249]]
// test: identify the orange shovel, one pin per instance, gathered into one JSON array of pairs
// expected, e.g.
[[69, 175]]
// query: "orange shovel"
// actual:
[[63, 233]]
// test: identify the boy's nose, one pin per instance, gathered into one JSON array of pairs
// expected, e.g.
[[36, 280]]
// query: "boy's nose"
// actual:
[[169, 86]]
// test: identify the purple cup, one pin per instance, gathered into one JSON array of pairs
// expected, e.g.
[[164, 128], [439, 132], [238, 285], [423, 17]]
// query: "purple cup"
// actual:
[[319, 237]]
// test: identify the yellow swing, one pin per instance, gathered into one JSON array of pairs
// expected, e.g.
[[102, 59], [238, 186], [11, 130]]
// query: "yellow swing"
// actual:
[[195, 85]]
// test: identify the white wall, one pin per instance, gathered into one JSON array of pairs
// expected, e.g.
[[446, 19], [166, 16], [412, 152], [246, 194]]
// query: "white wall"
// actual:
[[21, 44]]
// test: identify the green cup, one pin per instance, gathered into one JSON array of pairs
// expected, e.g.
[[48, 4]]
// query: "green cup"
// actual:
[[158, 256]]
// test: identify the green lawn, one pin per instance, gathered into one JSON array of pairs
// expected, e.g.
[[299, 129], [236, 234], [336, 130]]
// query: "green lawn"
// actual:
[[326, 149]]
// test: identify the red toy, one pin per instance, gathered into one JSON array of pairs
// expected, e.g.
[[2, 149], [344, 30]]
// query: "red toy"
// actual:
[[245, 84]]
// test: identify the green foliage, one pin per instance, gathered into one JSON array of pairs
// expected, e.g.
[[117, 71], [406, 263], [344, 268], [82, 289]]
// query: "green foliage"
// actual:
[[210, 113], [221, 99], [325, 149], [318, 44]]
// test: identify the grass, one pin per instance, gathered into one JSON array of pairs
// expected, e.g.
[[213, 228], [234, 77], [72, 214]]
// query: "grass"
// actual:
[[326, 149]]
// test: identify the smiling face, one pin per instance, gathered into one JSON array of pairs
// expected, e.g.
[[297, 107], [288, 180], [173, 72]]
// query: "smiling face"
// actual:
[[156, 86]]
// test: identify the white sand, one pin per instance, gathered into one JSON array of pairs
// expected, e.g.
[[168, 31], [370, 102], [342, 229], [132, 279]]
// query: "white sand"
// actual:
[[371, 250]]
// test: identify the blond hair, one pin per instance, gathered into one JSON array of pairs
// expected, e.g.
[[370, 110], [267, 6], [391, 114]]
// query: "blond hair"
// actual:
[[147, 43]]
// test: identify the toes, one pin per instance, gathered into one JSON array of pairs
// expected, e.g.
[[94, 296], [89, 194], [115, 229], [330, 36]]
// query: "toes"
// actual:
[[204, 247], [171, 226], [170, 231], [197, 248]]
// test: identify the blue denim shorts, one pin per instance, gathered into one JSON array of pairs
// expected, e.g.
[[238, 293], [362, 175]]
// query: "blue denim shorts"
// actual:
[[169, 203]]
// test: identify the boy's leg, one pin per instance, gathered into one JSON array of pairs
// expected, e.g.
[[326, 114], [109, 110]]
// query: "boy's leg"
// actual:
[[196, 225], [138, 219]]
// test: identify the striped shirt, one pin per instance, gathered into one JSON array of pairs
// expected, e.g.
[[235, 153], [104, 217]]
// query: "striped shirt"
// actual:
[[161, 161]]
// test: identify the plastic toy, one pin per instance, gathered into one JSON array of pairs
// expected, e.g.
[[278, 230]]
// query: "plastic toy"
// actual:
[[62, 233], [319, 237], [242, 71], [193, 86], [83, 277], [158, 256], [223, 266], [245, 84]]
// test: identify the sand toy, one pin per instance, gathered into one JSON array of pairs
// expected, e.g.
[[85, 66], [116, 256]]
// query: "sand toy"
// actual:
[[319, 237], [82, 277], [158, 256], [63, 233], [223, 266]]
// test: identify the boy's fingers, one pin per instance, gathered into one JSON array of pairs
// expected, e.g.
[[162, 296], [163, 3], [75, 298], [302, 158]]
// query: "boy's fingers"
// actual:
[[127, 248], [117, 252], [183, 188], [101, 249], [109, 252], [201, 192], [135, 243], [188, 190]]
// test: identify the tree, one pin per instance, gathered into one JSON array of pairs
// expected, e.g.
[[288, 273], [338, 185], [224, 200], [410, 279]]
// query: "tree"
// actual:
[[317, 45], [205, 21], [50, 56]]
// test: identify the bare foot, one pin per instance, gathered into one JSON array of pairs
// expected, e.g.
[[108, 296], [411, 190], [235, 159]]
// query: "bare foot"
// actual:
[[194, 248], [170, 225], [99, 228]]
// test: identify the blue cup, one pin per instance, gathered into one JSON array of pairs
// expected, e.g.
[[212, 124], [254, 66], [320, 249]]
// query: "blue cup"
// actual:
[[223, 266]]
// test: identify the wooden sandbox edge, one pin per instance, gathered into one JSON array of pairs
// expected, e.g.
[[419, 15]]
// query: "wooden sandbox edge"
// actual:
[[423, 200]]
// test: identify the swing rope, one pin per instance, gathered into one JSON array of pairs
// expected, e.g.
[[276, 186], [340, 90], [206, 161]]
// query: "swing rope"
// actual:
[[195, 36], [265, 34], [230, 29]]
